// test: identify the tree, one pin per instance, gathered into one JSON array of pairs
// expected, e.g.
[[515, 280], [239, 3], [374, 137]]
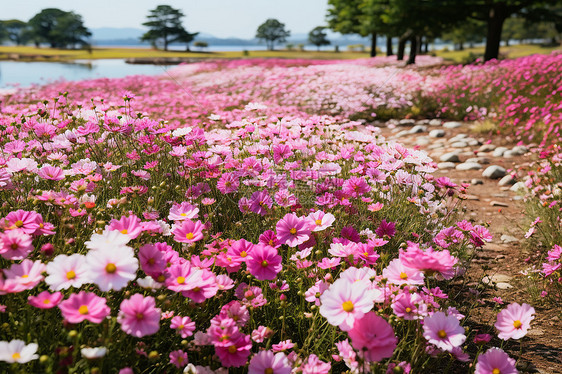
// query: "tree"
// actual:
[[16, 31], [470, 31], [58, 28], [165, 25], [318, 37], [272, 31]]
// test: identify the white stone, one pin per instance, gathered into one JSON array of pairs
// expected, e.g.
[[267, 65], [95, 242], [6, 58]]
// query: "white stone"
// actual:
[[452, 125], [494, 172], [450, 157], [437, 133], [508, 180], [460, 144], [435, 122], [417, 129], [446, 165], [499, 151], [469, 166]]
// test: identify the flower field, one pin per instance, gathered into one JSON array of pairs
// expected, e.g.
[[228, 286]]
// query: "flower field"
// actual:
[[243, 216]]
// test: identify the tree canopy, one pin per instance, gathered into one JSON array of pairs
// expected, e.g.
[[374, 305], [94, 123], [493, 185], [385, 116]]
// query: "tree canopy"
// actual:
[[318, 37], [165, 26], [58, 28], [272, 31]]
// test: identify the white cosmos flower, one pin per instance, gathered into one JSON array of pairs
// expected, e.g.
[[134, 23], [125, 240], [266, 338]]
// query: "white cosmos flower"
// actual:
[[93, 353], [67, 271], [17, 351], [109, 238], [112, 268]]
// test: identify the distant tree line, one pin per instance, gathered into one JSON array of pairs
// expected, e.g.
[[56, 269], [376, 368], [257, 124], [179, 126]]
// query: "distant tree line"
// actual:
[[460, 21], [55, 27]]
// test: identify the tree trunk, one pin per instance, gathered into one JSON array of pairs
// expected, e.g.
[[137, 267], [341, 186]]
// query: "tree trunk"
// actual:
[[496, 17], [389, 46], [373, 44], [401, 48], [413, 50], [426, 46], [419, 45], [461, 46]]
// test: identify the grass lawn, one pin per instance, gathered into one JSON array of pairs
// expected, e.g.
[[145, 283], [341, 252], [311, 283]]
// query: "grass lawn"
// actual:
[[513, 51], [48, 54]]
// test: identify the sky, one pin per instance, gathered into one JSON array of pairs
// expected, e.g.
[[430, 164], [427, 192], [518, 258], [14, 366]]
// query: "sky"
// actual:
[[221, 18]]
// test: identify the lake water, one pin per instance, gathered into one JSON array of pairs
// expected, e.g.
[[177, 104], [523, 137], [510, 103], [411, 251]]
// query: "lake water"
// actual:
[[28, 73]]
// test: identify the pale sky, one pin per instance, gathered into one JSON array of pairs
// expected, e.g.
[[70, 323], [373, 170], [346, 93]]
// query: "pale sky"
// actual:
[[222, 18]]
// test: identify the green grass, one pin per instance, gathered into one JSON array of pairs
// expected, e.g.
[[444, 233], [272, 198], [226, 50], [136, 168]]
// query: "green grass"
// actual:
[[514, 51], [28, 53]]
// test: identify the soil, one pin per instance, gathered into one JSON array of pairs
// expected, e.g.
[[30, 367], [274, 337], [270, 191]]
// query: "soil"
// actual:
[[503, 211]]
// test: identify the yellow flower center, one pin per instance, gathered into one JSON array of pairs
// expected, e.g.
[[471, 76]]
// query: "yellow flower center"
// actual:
[[124, 231], [14, 246], [408, 310], [161, 278], [232, 349], [517, 324], [189, 236], [70, 275], [403, 276], [496, 371], [196, 289], [183, 215], [228, 184], [83, 309], [318, 222], [46, 301], [293, 231], [180, 327], [16, 356], [18, 223], [140, 316], [268, 371], [442, 334], [180, 280], [347, 306], [151, 261], [264, 264], [243, 254], [25, 276], [270, 242], [110, 268]]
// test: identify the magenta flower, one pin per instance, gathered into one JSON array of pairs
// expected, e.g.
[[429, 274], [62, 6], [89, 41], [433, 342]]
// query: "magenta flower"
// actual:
[[15, 244], [429, 261], [397, 273], [139, 316], [26, 221], [443, 331], [178, 358], [373, 336], [23, 276], [495, 361], [264, 263], [189, 231], [514, 321], [236, 354], [409, 306], [183, 211], [267, 362], [45, 300], [260, 202], [386, 228], [292, 230], [183, 325], [51, 172], [84, 306], [128, 225]]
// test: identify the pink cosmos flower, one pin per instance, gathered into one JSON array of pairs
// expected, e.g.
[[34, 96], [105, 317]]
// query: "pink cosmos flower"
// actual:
[[292, 230], [205, 287], [139, 316], [409, 306], [183, 211], [345, 302], [189, 231], [228, 183], [23, 220], [67, 271], [178, 358], [152, 259], [269, 238], [514, 321], [264, 263], [355, 186], [15, 244], [261, 333], [84, 306], [265, 362], [23, 276], [45, 300], [183, 325], [51, 172], [429, 261], [397, 273], [495, 361], [316, 366], [320, 221], [443, 331], [128, 225], [374, 337], [112, 268], [236, 354], [282, 346]]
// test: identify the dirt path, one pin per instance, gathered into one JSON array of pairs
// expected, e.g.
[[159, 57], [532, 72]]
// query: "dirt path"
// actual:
[[487, 202]]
